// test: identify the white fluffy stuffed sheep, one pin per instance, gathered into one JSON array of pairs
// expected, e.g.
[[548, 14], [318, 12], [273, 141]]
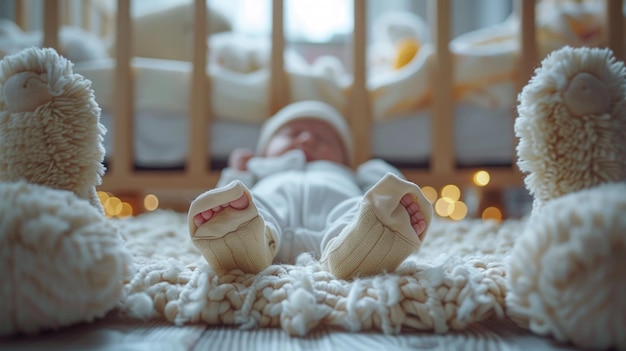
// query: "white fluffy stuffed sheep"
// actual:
[[566, 273], [61, 261]]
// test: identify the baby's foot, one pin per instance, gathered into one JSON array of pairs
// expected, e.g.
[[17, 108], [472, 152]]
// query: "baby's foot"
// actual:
[[391, 223], [417, 218], [204, 216], [226, 227]]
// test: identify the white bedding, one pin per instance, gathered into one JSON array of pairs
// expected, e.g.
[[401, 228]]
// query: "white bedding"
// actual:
[[239, 102], [161, 137]]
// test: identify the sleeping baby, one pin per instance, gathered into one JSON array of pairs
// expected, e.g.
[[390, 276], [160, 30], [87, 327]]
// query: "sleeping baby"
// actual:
[[297, 194]]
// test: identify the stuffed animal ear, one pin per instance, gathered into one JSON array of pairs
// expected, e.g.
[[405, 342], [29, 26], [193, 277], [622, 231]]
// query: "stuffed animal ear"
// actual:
[[587, 95], [571, 123], [25, 91]]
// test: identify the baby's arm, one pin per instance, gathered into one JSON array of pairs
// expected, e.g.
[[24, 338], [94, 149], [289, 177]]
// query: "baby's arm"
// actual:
[[370, 172], [237, 168], [238, 159]]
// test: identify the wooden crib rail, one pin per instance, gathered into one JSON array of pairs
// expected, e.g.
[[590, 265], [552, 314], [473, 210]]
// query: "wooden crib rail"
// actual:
[[200, 116], [197, 176], [442, 154], [359, 112], [65, 12], [615, 27], [122, 161]]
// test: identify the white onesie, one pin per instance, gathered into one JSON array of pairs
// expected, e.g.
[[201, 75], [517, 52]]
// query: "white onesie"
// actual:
[[306, 204]]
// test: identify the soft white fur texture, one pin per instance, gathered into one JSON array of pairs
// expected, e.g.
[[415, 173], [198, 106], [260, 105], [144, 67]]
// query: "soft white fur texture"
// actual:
[[50, 131], [565, 274], [61, 261], [566, 271], [563, 150]]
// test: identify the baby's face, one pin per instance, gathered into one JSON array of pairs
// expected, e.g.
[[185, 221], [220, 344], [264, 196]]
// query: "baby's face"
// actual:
[[317, 139]]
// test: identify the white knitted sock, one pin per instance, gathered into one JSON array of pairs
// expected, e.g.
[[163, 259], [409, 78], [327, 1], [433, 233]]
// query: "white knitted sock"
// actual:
[[232, 239], [380, 236]]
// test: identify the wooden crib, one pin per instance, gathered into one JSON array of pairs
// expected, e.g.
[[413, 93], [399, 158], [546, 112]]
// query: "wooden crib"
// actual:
[[123, 179]]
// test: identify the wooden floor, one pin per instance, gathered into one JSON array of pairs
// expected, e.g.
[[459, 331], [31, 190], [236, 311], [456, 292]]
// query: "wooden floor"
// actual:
[[112, 334]]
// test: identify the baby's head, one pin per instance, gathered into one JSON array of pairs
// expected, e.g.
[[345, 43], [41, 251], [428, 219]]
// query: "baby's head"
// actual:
[[314, 127]]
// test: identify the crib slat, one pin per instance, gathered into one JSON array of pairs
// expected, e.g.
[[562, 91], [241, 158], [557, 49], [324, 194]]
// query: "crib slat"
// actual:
[[279, 85], [442, 160], [122, 158], [20, 13], [359, 111], [66, 12], [106, 22], [51, 24], [615, 28], [197, 161], [528, 60], [527, 41], [86, 14]]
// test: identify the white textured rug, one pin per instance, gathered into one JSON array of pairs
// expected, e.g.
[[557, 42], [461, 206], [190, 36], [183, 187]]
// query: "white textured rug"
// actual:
[[456, 279]]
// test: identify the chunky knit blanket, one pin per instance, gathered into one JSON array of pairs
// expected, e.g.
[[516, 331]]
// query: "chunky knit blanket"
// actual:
[[456, 279]]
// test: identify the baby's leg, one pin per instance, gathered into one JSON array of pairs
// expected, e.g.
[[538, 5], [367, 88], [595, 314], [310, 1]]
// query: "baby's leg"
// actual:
[[391, 223], [226, 227]]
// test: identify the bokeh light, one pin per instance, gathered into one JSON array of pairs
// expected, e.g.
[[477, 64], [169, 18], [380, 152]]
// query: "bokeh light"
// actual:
[[151, 202], [481, 178], [459, 212], [103, 196], [449, 204], [451, 192], [127, 210], [444, 207], [492, 213], [114, 206], [430, 193]]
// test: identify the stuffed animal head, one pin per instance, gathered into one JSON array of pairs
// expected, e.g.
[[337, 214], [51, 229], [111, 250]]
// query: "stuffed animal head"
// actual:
[[50, 132], [572, 123]]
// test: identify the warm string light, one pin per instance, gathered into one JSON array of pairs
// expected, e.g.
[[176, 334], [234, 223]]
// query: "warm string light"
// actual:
[[114, 207], [430, 193], [492, 213], [481, 178], [151, 202], [449, 204]]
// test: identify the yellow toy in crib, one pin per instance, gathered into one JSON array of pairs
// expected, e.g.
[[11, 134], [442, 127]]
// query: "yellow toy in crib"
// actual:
[[406, 50]]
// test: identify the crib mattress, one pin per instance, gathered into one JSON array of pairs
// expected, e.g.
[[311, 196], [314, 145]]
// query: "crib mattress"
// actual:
[[482, 135], [161, 138]]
